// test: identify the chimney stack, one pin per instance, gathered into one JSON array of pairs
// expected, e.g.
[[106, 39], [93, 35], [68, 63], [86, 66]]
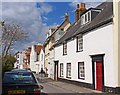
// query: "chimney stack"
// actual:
[[79, 10], [82, 8]]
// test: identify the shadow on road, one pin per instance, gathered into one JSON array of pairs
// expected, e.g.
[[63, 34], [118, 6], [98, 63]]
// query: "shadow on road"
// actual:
[[43, 93], [73, 94]]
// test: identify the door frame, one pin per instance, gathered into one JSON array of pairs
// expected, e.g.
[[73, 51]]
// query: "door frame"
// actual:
[[94, 59], [56, 70]]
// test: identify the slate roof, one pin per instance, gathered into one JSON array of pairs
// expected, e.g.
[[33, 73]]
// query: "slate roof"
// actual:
[[102, 18], [61, 26], [64, 23], [72, 29]]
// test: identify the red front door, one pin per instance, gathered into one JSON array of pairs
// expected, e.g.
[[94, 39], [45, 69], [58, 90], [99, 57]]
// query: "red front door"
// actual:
[[56, 72], [99, 75]]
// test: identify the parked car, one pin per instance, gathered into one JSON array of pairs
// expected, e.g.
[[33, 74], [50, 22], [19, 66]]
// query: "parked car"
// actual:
[[20, 82]]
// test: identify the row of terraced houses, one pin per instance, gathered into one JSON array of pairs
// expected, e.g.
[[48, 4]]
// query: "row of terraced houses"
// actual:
[[85, 53]]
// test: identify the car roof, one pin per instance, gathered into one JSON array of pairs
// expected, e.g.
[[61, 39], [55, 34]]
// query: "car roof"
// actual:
[[19, 70]]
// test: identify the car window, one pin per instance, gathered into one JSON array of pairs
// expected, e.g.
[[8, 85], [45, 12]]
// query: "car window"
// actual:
[[21, 77]]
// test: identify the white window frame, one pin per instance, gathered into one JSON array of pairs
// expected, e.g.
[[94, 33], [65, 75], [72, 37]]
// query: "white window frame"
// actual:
[[82, 19], [65, 48], [85, 16], [61, 70], [89, 16], [81, 70], [68, 70], [79, 43]]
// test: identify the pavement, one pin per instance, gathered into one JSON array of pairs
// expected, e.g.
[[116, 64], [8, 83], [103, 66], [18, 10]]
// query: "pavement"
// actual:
[[67, 86]]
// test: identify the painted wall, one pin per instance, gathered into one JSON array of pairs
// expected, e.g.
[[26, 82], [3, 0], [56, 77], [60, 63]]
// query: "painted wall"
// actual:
[[116, 7], [19, 62], [51, 66], [99, 41], [33, 57], [46, 56], [49, 54], [42, 59], [116, 10], [36, 65], [119, 41]]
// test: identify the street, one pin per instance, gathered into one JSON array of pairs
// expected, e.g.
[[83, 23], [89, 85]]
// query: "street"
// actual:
[[51, 87]]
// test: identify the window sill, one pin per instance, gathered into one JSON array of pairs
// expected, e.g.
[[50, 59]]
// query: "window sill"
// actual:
[[79, 51], [68, 77], [61, 76], [36, 61], [81, 78], [64, 54]]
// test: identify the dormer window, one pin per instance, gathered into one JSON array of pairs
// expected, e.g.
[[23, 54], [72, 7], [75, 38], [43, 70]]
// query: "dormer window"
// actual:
[[86, 18], [89, 15]]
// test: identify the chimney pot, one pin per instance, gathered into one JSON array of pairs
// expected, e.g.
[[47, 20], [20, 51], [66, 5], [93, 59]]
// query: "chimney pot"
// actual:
[[79, 10], [66, 16], [77, 5]]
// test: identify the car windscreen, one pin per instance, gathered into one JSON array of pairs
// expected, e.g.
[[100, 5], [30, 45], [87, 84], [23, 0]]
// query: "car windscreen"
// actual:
[[19, 78]]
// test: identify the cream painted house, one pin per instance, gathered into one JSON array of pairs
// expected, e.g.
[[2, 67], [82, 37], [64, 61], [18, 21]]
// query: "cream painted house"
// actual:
[[54, 36], [116, 21]]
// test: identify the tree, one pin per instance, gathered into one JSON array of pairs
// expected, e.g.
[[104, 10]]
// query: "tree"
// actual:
[[8, 63], [10, 35]]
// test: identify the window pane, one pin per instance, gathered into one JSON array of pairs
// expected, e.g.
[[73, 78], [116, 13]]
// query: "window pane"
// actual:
[[79, 43], [68, 70], [81, 70], [88, 16], [85, 17], [61, 69], [65, 48]]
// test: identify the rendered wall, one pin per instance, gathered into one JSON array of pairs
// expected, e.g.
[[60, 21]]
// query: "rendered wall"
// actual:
[[95, 42]]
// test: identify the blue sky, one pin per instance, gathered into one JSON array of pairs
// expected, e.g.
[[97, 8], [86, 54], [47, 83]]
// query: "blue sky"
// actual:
[[58, 11], [37, 17]]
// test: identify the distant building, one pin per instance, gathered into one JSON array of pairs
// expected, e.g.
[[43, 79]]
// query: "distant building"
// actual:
[[37, 58], [19, 60], [54, 35], [26, 58]]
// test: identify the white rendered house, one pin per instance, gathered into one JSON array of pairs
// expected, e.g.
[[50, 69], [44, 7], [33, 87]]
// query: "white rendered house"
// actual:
[[19, 62], [85, 55], [37, 58]]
